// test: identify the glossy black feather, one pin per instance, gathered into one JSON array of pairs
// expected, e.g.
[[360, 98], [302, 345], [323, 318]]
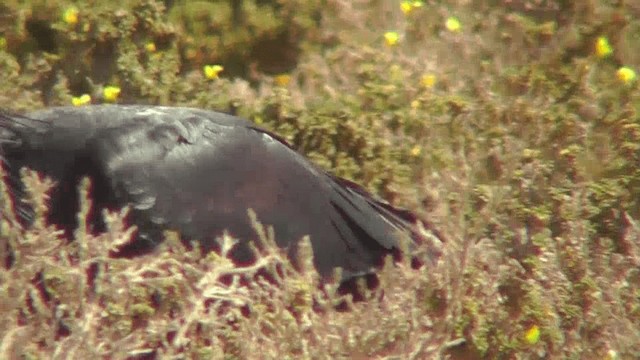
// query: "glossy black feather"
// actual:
[[197, 172]]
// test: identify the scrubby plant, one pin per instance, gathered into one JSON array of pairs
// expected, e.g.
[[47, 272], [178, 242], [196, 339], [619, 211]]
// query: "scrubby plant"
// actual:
[[512, 127]]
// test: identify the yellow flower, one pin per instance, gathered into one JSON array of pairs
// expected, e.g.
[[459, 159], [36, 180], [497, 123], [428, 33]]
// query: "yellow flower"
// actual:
[[391, 38], [83, 99], [603, 47], [212, 71], [532, 336], [416, 151], [406, 7], [282, 80], [150, 46], [626, 75], [70, 16], [453, 24], [111, 93], [428, 80]]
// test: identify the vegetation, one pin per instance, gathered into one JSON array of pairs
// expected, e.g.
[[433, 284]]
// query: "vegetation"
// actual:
[[513, 126]]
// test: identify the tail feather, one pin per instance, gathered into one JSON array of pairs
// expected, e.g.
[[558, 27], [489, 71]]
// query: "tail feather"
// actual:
[[401, 220]]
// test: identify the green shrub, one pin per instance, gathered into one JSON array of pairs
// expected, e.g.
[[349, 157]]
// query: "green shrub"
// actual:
[[513, 135]]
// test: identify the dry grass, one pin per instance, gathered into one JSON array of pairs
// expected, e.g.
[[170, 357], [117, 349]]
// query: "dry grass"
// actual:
[[524, 153]]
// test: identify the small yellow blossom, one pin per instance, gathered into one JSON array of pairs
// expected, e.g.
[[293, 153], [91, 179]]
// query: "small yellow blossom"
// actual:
[[83, 99], [406, 7], [428, 80], [111, 93], [150, 46], [415, 104], [453, 24], [626, 75], [282, 80], [532, 336], [391, 38], [70, 15], [603, 47], [416, 151], [212, 71]]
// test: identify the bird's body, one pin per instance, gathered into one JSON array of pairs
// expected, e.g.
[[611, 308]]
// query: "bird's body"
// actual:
[[197, 172]]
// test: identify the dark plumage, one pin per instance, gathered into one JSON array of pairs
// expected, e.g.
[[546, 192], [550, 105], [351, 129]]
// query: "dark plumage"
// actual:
[[197, 172]]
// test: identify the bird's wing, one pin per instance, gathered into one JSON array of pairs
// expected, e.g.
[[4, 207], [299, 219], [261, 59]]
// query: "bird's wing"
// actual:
[[198, 172], [199, 176]]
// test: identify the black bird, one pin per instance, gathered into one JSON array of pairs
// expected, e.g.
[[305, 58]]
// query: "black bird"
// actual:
[[197, 172]]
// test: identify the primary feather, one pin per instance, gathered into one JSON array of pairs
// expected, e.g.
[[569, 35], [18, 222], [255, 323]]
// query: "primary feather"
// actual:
[[197, 172]]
